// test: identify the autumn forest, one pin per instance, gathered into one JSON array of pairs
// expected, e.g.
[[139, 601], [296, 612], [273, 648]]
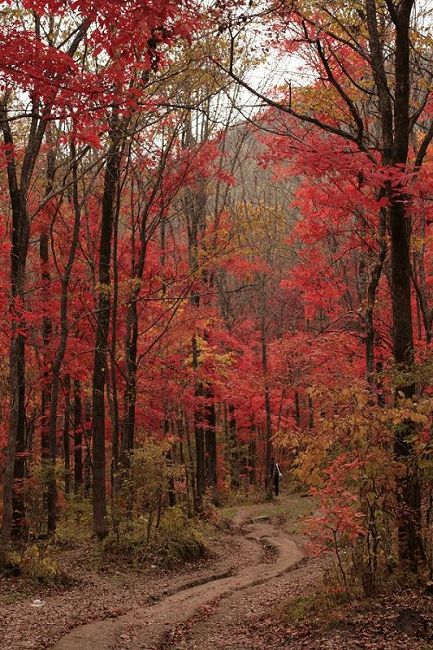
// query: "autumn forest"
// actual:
[[216, 297]]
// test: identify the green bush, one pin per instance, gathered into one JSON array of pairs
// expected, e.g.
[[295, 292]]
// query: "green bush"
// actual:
[[311, 605], [75, 525], [178, 540], [175, 540], [34, 563], [39, 565]]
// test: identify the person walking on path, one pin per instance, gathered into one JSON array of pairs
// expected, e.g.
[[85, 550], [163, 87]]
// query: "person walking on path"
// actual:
[[276, 477]]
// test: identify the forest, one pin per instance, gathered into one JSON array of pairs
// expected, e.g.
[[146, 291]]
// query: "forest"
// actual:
[[216, 379]]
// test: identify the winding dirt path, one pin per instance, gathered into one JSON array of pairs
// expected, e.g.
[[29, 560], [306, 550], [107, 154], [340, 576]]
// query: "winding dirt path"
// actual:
[[148, 627]]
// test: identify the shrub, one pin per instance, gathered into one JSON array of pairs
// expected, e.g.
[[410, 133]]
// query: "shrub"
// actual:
[[176, 540], [39, 565], [35, 563], [311, 605], [75, 524]]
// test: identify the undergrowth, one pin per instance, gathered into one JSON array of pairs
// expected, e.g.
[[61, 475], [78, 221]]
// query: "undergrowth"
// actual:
[[36, 563], [177, 539], [310, 606]]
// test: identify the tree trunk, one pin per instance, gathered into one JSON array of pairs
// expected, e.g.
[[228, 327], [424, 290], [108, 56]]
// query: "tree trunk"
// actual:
[[111, 181], [268, 414], [372, 288], [87, 440], [211, 448], [409, 485], [115, 420], [395, 124], [411, 550], [66, 434], [47, 332], [60, 352], [13, 501], [170, 462], [252, 457], [78, 439], [130, 397], [199, 435], [234, 448]]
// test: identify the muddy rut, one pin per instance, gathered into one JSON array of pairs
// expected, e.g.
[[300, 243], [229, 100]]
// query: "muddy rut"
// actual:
[[147, 627]]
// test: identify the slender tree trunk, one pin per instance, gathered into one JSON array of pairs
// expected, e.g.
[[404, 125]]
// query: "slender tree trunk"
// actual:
[[234, 448], [115, 420], [47, 332], [13, 501], [111, 181], [130, 399], [252, 474], [195, 212], [211, 448], [182, 426], [268, 413], [78, 439], [373, 285], [297, 413], [170, 461], [87, 449], [420, 281], [66, 434], [199, 434], [310, 413], [47, 329], [60, 352]]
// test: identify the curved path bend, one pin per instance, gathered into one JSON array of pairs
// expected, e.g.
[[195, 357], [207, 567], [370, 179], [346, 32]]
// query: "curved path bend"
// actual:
[[147, 627]]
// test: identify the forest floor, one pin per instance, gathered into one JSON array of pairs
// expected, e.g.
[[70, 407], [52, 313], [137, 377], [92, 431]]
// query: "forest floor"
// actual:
[[256, 591]]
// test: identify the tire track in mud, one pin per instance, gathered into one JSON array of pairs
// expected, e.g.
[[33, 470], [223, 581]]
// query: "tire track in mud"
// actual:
[[147, 627]]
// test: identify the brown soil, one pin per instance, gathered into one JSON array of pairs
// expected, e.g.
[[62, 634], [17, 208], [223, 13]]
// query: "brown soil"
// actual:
[[97, 596], [158, 626]]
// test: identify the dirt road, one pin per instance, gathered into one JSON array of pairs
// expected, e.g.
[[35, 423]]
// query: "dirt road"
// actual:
[[149, 627]]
